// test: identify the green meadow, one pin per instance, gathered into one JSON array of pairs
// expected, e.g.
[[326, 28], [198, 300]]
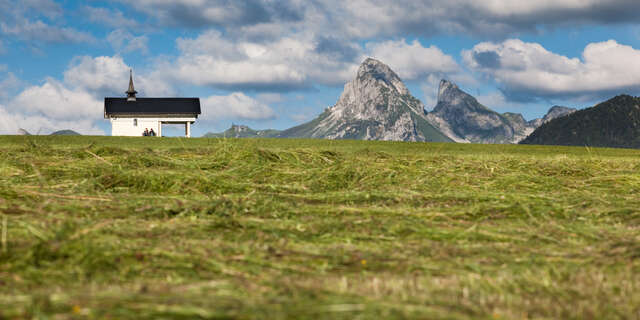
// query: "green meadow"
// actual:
[[172, 228]]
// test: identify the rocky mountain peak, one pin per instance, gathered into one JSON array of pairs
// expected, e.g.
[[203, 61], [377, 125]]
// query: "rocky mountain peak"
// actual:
[[451, 98], [382, 74], [557, 111], [463, 119], [447, 91]]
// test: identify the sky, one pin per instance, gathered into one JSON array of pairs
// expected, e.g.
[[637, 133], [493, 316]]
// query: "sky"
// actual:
[[280, 63]]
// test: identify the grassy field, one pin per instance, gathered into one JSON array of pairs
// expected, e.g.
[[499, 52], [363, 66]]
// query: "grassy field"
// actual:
[[105, 227]]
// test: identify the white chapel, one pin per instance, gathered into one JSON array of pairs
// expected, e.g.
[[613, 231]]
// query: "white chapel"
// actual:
[[131, 116]]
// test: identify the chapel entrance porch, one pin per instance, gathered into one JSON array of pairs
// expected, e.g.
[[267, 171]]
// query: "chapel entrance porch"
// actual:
[[187, 127]]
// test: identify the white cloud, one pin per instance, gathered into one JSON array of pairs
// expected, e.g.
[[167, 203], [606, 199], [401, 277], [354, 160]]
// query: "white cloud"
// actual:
[[372, 18], [286, 63], [11, 122], [494, 99], [429, 88], [411, 60], [104, 75], [108, 17], [47, 8], [199, 13], [8, 83], [296, 61], [263, 20], [39, 31], [38, 22], [270, 97], [366, 19], [100, 75], [55, 101], [124, 42], [527, 70], [235, 105]]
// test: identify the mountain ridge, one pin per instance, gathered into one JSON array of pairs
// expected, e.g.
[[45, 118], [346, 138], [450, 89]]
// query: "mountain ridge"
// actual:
[[376, 105], [243, 131], [468, 119], [464, 119]]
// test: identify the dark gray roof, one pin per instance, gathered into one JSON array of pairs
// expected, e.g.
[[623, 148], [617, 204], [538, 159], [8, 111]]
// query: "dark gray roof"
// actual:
[[150, 106]]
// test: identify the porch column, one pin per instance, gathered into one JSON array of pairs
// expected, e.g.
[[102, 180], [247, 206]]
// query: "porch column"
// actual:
[[159, 128], [187, 129]]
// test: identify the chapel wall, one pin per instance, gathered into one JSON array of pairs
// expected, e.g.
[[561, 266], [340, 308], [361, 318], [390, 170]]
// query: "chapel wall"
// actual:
[[126, 127]]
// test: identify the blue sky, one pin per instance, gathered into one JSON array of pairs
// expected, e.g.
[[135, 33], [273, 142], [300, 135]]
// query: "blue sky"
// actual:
[[275, 64]]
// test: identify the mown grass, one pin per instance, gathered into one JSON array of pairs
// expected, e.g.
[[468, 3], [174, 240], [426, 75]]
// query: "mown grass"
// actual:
[[106, 227]]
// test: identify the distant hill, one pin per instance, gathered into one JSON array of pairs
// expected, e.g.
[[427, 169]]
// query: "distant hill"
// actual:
[[614, 123], [65, 133], [241, 131]]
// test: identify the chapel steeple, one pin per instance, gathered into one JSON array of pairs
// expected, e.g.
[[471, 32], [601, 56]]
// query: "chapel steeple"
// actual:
[[131, 93]]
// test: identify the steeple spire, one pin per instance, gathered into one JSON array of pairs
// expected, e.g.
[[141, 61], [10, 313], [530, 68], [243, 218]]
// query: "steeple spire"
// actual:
[[131, 93]]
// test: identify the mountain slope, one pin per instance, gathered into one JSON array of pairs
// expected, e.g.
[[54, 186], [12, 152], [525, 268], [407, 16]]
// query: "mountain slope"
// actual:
[[614, 123], [241, 131], [376, 105]]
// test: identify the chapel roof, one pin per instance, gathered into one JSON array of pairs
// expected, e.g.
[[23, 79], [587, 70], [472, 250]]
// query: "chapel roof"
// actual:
[[152, 106]]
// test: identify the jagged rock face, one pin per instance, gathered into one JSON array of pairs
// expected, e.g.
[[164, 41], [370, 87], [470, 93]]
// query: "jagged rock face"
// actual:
[[464, 119], [535, 122], [376, 105], [521, 127], [517, 120]]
